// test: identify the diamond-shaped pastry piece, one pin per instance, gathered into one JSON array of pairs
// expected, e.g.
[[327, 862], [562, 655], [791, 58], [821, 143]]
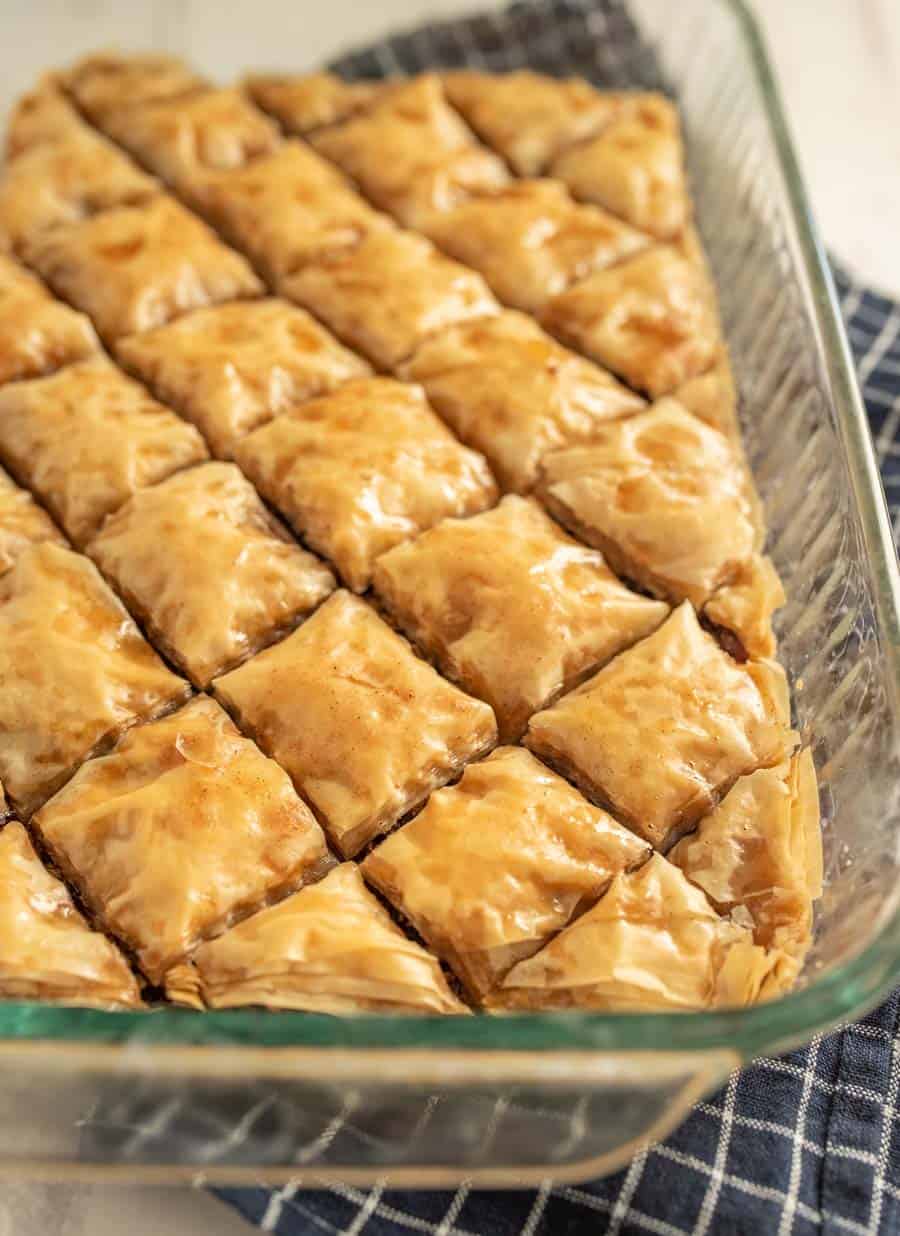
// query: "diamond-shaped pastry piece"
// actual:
[[665, 729], [86, 438], [37, 333], [184, 826], [653, 941], [667, 499], [743, 608], [362, 469], [389, 292], [713, 397], [531, 241], [528, 117], [229, 581], [308, 101], [511, 391], [64, 182], [42, 115], [634, 168], [364, 727], [75, 671], [231, 368], [411, 154], [134, 268], [106, 83], [22, 522], [47, 950], [649, 319], [184, 140], [495, 865], [331, 948], [288, 209], [511, 607], [758, 855]]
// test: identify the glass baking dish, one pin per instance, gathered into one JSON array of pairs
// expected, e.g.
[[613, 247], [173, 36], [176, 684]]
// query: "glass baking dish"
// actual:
[[252, 1096]]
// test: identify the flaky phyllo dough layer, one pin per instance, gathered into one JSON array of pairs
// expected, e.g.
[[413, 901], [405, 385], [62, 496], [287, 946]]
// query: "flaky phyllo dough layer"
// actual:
[[385, 622]]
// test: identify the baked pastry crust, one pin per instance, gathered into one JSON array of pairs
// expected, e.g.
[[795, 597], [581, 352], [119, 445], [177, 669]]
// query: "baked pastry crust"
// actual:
[[331, 948], [42, 115], [668, 500], [22, 523], [495, 865], [529, 117], [304, 102], [105, 84], [182, 828], [363, 469], [665, 729], [365, 729], [229, 581], [744, 607], [653, 941], [649, 319], [75, 670], [509, 390], [232, 368], [411, 154], [47, 950], [134, 268], [510, 607], [634, 168], [37, 333], [531, 241], [86, 438], [389, 292]]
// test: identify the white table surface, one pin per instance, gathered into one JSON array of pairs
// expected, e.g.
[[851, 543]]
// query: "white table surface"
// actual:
[[839, 66]]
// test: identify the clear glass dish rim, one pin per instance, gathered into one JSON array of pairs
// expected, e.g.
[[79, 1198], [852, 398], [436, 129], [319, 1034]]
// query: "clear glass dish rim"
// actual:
[[841, 995]]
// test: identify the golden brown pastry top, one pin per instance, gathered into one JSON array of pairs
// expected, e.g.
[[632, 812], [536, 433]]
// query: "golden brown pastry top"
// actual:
[[713, 397], [665, 728], [47, 950], [106, 83], [22, 522], [331, 948], [86, 438], [308, 101], [75, 670], [511, 607], [37, 333], [42, 115], [493, 866], [363, 726], [232, 368], [184, 826], [210, 572], [134, 268], [744, 607], [362, 469]]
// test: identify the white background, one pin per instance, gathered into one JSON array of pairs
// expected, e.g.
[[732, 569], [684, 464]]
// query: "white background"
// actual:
[[839, 66]]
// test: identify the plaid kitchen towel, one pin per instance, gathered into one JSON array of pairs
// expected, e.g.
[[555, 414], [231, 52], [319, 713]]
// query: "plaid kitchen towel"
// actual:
[[809, 1143]]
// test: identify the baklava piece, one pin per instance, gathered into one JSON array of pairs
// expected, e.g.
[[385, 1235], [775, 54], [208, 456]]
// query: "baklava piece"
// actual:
[[87, 438], [65, 182], [652, 942], [531, 241], [529, 117], [411, 154], [75, 671], [304, 102], [288, 209], [713, 398], [331, 948], [510, 607], [758, 857], [232, 368], [649, 320], [134, 268], [743, 608], [665, 729], [47, 950], [389, 292], [106, 84], [365, 729], [37, 333], [634, 168], [495, 865], [42, 115], [509, 390], [668, 500], [184, 827], [362, 469], [228, 580], [22, 523]]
